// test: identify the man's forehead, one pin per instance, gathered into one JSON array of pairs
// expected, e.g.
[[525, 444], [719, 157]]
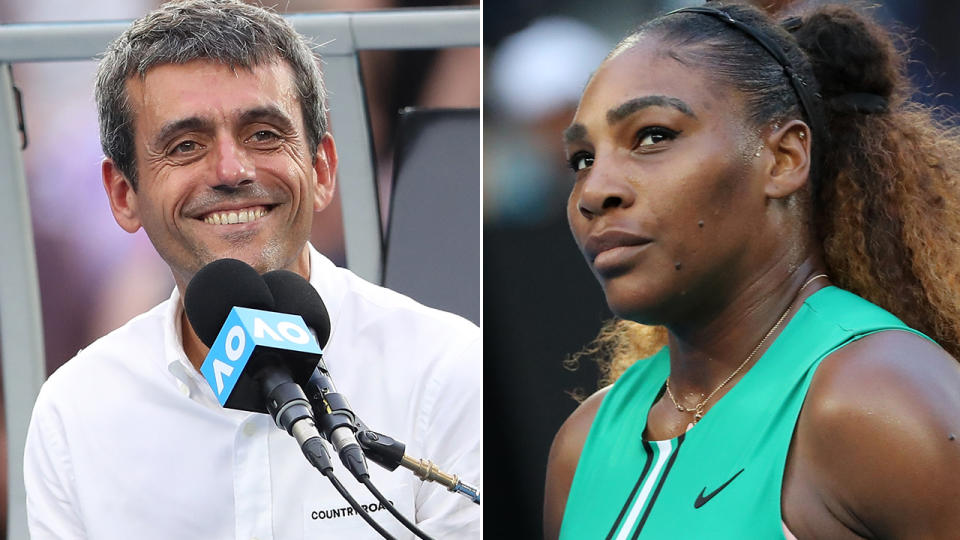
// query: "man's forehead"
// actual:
[[275, 71], [209, 85]]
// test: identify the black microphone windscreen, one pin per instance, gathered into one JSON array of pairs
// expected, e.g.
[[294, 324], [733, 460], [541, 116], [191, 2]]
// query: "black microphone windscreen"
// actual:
[[294, 295], [216, 289]]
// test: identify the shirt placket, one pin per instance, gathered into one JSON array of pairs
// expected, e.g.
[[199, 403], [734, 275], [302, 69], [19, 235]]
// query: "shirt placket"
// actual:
[[251, 479]]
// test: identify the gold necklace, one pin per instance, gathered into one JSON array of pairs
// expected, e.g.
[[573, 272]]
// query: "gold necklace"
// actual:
[[698, 408]]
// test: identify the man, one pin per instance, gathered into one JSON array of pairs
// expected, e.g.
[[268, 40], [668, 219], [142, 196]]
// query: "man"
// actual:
[[214, 131]]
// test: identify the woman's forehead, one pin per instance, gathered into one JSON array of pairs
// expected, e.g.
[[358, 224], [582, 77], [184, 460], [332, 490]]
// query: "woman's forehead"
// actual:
[[647, 71]]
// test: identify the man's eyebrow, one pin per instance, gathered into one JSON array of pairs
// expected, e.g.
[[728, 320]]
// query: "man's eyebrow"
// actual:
[[192, 123], [576, 132], [270, 114], [629, 107]]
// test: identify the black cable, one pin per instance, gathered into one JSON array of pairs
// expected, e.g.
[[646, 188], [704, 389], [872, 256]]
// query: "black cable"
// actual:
[[396, 513], [356, 506], [317, 455]]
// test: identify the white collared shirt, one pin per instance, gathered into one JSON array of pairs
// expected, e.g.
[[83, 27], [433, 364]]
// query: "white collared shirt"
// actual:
[[128, 441]]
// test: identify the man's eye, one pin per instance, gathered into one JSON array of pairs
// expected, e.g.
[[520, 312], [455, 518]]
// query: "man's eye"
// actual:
[[654, 135], [184, 147], [264, 135], [580, 161]]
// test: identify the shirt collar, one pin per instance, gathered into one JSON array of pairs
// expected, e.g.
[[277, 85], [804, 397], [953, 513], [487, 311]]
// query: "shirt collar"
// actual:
[[187, 378], [326, 278]]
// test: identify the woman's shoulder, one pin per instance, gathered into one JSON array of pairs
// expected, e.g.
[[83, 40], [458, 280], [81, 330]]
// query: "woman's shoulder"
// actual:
[[879, 435], [564, 456], [573, 433], [644, 377], [896, 372]]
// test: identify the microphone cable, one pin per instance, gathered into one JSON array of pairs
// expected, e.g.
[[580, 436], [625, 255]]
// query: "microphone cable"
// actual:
[[356, 506], [337, 423], [389, 506], [331, 410], [389, 453], [317, 455]]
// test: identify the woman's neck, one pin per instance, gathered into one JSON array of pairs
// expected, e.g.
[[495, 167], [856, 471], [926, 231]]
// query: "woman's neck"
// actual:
[[706, 350]]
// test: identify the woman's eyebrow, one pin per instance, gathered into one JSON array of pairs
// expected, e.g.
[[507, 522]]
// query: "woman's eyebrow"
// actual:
[[577, 132], [627, 108]]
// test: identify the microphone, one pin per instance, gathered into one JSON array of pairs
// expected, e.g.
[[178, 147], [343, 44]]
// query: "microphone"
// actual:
[[294, 295], [258, 358]]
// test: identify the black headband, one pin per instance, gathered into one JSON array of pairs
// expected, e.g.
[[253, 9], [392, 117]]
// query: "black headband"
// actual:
[[803, 91]]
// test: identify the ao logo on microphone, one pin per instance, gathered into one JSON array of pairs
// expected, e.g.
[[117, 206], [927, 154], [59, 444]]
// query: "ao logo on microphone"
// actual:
[[246, 332]]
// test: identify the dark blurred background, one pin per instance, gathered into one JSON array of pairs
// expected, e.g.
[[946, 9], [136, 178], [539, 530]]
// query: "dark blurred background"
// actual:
[[540, 301]]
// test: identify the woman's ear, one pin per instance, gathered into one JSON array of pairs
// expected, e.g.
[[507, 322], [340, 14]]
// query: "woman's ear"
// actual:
[[789, 170]]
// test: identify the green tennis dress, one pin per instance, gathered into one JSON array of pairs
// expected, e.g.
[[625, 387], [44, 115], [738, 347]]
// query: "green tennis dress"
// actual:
[[723, 477]]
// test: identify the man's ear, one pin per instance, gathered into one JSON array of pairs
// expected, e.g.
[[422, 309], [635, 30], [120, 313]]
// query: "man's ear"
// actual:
[[122, 196], [325, 167], [789, 170]]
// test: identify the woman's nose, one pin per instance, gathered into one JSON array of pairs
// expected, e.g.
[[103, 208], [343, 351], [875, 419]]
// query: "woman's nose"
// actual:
[[604, 189]]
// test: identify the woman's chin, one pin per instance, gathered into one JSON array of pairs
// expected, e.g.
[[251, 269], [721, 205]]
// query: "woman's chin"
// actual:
[[642, 309]]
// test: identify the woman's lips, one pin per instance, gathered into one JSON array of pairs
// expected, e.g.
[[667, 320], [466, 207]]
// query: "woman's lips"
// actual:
[[612, 251], [614, 258]]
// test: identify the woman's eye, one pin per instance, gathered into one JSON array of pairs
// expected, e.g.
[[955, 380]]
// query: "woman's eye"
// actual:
[[647, 137], [580, 161]]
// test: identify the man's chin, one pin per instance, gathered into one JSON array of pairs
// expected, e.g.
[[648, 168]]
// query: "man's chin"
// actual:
[[240, 238], [262, 258]]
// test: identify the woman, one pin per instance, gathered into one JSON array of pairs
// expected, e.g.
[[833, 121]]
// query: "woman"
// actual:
[[733, 177]]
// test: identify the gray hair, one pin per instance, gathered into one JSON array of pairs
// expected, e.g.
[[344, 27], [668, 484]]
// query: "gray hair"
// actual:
[[225, 31]]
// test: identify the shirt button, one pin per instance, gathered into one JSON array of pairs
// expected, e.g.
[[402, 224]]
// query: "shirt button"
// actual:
[[184, 389], [249, 429]]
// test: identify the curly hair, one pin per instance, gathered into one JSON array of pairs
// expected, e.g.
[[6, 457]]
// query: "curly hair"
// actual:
[[886, 195]]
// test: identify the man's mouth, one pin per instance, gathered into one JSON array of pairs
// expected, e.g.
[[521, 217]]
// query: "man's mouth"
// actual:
[[243, 215]]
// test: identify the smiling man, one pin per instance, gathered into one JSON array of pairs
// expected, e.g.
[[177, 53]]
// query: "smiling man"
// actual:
[[230, 173], [216, 144]]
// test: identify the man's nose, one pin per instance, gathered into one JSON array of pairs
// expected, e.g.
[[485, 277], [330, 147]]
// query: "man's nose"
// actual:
[[234, 164], [604, 188]]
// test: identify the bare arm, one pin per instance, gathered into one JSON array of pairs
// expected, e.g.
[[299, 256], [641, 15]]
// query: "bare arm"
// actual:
[[878, 440], [562, 463]]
